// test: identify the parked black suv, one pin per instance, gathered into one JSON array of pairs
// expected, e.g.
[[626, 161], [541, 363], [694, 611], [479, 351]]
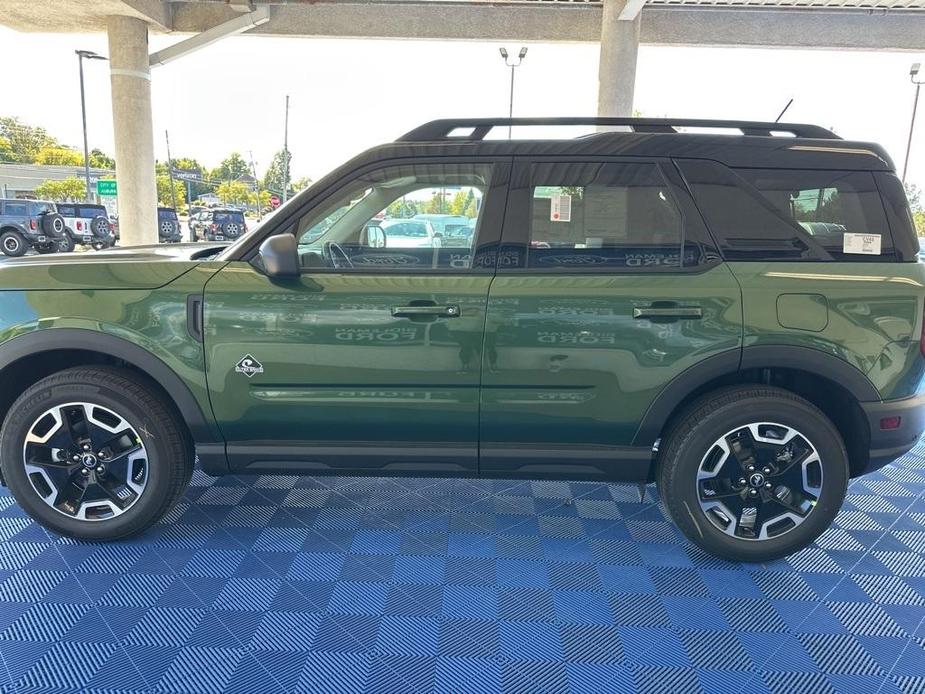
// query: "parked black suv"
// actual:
[[26, 224], [168, 225], [218, 224]]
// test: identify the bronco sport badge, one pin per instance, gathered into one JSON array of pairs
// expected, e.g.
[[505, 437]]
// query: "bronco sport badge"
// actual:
[[248, 366]]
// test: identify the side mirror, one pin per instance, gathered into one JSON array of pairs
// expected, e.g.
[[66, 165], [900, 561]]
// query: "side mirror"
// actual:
[[280, 257]]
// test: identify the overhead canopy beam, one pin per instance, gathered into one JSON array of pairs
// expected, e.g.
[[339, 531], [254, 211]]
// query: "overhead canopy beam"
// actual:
[[631, 10], [555, 22], [237, 25]]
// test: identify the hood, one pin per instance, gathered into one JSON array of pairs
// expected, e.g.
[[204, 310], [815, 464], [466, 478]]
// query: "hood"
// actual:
[[139, 267]]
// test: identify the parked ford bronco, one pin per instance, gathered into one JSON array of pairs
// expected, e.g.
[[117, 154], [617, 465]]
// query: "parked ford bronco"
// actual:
[[735, 317], [26, 224]]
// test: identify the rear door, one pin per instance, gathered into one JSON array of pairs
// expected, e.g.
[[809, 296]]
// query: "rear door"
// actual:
[[370, 361], [607, 289]]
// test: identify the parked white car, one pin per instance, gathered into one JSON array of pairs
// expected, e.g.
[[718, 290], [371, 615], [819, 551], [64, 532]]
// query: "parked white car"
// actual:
[[409, 233], [87, 224]]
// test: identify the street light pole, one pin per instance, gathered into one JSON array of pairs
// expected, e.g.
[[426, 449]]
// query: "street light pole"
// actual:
[[89, 55], [913, 74], [513, 64], [286, 154]]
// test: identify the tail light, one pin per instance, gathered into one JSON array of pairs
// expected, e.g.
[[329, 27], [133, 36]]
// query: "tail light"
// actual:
[[33, 224], [80, 226], [213, 227]]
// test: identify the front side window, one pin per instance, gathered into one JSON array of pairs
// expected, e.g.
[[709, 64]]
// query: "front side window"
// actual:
[[607, 217], [405, 218]]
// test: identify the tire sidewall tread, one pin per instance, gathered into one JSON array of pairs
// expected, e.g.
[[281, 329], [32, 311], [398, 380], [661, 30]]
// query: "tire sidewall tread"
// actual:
[[697, 427], [170, 454]]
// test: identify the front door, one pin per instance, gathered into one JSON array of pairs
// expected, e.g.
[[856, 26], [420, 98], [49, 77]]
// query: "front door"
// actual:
[[371, 360], [607, 289]]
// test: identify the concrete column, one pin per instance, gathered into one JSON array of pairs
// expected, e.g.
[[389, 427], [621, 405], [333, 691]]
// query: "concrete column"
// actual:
[[134, 134], [617, 70]]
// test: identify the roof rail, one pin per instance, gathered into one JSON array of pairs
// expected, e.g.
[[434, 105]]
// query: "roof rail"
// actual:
[[480, 127]]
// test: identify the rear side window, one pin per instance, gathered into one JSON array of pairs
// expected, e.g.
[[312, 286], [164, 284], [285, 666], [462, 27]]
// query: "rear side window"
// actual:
[[782, 214], [614, 216], [15, 208], [92, 211]]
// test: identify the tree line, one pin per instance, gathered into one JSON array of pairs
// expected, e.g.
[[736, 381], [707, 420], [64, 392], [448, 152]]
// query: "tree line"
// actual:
[[21, 143]]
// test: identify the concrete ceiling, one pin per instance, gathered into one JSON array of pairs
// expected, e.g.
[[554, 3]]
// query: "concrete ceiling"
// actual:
[[836, 24]]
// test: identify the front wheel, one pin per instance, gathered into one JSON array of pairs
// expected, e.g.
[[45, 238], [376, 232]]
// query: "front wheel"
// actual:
[[752, 473], [94, 453]]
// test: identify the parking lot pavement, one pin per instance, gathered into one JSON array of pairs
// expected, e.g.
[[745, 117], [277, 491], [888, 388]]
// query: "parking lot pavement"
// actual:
[[385, 585]]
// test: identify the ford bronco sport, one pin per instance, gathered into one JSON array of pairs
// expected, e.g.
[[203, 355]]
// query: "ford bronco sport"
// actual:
[[737, 317]]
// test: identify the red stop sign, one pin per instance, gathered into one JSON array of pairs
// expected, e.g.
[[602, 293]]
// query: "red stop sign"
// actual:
[[274, 201]]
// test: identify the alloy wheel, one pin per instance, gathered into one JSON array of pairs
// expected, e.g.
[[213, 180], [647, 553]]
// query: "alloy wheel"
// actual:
[[85, 461], [759, 481], [11, 244]]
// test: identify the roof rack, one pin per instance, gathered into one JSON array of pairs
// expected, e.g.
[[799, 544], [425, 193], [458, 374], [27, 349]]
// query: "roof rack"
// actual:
[[478, 128]]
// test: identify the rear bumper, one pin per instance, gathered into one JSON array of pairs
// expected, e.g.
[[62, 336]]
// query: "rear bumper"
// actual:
[[886, 445]]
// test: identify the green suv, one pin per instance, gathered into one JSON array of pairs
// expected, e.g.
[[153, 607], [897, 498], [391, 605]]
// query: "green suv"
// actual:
[[737, 317]]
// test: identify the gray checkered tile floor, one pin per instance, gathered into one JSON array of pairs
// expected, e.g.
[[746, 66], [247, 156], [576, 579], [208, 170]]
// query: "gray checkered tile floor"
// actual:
[[301, 584]]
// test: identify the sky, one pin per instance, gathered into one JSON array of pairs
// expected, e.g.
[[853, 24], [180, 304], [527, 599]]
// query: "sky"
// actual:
[[347, 95]]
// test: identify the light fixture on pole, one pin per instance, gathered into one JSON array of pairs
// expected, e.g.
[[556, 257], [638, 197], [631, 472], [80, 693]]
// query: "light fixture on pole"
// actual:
[[513, 64], [89, 55], [913, 75]]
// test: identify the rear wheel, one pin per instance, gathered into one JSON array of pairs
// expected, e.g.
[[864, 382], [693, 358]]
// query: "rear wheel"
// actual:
[[752, 473], [94, 453], [13, 244]]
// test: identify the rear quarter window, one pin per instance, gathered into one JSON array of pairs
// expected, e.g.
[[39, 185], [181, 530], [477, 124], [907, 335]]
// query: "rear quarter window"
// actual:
[[791, 214]]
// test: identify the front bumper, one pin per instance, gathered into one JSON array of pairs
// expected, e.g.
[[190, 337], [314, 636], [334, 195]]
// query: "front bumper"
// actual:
[[886, 445]]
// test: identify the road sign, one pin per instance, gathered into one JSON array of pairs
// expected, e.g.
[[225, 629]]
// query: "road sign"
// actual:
[[274, 201], [187, 174], [106, 186]]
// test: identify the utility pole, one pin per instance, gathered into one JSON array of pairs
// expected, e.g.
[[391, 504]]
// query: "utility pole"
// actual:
[[913, 75], [173, 191], [256, 186], [286, 154]]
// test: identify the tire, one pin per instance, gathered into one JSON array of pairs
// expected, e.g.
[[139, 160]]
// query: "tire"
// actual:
[[699, 481], [158, 452], [66, 244], [13, 244], [99, 225], [53, 225]]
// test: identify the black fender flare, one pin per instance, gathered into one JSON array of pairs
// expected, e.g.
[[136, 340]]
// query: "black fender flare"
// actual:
[[728, 363], [56, 339]]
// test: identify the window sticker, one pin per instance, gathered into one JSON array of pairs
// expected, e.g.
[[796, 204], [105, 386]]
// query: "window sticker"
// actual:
[[561, 208], [866, 244]]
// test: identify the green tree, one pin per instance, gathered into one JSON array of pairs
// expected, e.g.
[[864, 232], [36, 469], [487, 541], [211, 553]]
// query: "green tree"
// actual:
[[164, 198], [231, 168], [264, 198], [25, 140], [67, 189], [274, 179], [59, 156], [300, 184], [402, 208], [6, 150], [914, 194], [232, 192], [100, 160], [463, 203]]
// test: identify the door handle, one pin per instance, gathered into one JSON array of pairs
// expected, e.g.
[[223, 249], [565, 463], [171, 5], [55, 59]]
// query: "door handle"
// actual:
[[668, 312], [450, 311]]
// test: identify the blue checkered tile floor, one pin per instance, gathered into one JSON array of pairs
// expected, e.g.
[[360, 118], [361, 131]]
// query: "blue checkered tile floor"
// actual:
[[354, 585]]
